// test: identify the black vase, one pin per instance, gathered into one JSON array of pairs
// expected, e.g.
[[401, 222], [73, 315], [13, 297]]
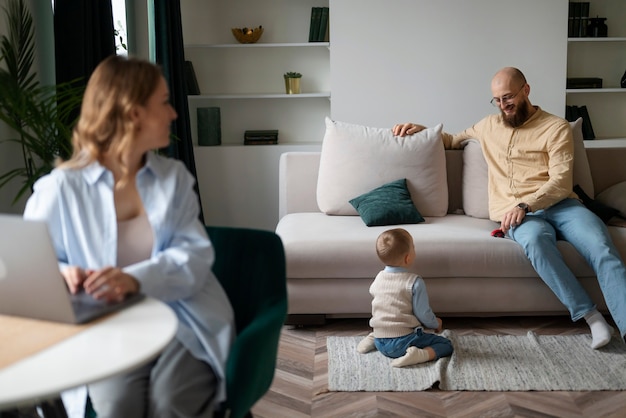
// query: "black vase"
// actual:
[[597, 28], [623, 82]]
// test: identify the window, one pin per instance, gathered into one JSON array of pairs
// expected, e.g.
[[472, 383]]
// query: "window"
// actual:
[[119, 26]]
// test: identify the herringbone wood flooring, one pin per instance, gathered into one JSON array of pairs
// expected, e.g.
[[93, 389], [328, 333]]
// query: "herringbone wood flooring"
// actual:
[[299, 388]]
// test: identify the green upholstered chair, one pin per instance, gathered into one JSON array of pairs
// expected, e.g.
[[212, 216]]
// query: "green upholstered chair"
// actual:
[[250, 265]]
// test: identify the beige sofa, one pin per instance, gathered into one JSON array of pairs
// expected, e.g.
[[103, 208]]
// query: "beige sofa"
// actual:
[[331, 260]]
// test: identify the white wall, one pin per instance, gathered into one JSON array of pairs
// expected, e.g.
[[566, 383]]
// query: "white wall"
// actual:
[[239, 185], [391, 61], [432, 61]]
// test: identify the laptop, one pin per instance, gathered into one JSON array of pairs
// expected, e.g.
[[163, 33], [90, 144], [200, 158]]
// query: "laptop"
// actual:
[[31, 284]]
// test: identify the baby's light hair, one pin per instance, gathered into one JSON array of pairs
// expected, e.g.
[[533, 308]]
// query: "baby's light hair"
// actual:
[[393, 245]]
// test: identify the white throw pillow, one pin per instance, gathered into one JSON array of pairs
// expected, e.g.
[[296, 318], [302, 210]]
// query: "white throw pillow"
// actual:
[[475, 179], [582, 172], [615, 197], [356, 159]]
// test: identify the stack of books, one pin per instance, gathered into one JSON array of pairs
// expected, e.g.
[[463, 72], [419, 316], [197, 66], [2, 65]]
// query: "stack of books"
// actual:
[[319, 31], [578, 19], [584, 83], [261, 137]]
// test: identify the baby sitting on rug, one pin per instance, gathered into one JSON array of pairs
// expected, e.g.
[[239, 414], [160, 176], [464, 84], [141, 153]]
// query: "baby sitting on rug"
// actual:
[[400, 307]]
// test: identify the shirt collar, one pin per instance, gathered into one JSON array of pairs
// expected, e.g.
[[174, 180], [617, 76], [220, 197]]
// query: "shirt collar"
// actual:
[[96, 171], [395, 269]]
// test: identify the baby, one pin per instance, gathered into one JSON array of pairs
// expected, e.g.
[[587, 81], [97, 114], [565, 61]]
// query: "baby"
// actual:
[[400, 307]]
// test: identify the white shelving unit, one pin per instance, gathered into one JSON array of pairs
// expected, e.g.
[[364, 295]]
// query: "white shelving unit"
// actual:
[[604, 58], [239, 183], [246, 80]]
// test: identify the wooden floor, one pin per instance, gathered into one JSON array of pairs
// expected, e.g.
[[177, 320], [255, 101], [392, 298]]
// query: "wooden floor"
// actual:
[[300, 384]]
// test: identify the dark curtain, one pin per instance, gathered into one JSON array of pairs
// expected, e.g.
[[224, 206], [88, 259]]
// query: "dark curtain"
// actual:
[[83, 36], [169, 53]]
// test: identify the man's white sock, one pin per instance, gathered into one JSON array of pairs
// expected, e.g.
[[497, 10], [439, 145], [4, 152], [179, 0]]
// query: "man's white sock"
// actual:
[[600, 331]]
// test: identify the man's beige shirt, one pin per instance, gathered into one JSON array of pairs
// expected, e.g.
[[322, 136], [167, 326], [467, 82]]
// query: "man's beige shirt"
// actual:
[[532, 164]]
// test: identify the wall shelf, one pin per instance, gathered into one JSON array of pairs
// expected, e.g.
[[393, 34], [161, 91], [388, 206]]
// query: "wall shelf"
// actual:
[[605, 39], [246, 80], [602, 90], [603, 58], [260, 96], [264, 45]]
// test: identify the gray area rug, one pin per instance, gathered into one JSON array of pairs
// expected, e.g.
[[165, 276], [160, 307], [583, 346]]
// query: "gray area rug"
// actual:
[[485, 363]]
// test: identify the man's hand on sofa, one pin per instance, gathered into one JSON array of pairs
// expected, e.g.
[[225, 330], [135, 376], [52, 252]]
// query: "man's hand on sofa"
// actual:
[[512, 218], [403, 129]]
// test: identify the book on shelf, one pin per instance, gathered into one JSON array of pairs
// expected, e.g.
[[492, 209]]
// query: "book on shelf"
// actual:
[[323, 27], [584, 19], [260, 142], [319, 26], [578, 19], [584, 83], [191, 81], [316, 18], [260, 137], [261, 133]]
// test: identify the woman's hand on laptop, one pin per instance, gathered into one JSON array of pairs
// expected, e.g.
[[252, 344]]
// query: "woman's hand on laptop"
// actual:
[[74, 278], [110, 284]]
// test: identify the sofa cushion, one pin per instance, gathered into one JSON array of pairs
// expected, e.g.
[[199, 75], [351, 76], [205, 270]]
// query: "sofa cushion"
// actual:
[[615, 197], [356, 159], [389, 204], [582, 172], [475, 179], [318, 246], [475, 195]]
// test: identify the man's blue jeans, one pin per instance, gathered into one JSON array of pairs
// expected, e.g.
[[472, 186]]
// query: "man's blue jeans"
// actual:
[[569, 220]]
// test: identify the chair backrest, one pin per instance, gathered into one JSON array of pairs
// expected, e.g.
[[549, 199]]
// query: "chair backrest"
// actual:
[[250, 265]]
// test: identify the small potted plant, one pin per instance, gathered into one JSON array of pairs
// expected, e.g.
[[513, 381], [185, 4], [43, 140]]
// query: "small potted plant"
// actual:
[[292, 82]]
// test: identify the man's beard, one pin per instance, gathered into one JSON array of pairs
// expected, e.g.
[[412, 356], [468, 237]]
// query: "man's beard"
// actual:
[[518, 118]]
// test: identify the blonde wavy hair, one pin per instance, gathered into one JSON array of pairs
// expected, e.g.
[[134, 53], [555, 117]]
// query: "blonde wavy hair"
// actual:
[[117, 86]]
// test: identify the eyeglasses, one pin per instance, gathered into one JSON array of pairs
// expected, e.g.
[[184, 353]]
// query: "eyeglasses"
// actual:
[[497, 101]]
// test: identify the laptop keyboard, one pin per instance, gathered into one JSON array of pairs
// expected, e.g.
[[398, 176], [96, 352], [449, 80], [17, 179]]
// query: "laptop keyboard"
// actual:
[[83, 299]]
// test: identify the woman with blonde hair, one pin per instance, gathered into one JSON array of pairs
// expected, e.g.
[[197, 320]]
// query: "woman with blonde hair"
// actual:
[[123, 220]]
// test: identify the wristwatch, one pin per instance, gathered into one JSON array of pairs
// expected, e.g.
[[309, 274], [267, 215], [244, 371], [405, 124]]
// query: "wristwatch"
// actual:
[[524, 207]]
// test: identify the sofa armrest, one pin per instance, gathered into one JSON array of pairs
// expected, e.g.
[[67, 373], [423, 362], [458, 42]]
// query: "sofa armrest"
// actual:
[[608, 167], [297, 182]]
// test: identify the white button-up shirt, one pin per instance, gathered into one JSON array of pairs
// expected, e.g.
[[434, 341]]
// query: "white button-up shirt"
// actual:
[[79, 208]]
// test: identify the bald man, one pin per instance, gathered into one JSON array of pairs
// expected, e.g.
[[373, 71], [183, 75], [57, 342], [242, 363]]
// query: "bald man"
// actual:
[[530, 155]]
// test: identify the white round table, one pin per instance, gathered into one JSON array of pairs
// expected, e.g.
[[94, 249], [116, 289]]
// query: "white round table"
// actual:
[[114, 345]]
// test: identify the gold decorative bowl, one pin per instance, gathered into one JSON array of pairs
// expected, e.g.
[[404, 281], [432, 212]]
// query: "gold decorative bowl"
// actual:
[[247, 35]]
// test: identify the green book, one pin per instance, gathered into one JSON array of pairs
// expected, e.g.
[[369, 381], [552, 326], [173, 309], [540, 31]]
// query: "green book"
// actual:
[[316, 17], [321, 33]]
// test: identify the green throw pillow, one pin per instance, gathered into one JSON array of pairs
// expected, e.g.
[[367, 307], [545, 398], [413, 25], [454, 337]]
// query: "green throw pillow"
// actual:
[[389, 204]]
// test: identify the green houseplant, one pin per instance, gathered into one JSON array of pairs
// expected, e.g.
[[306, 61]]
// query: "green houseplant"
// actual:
[[38, 115]]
